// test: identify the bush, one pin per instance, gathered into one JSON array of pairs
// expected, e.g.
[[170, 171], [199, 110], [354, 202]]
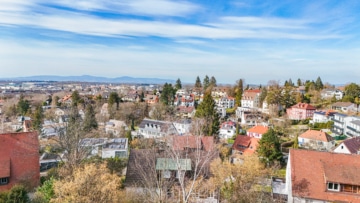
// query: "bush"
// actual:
[[17, 194]]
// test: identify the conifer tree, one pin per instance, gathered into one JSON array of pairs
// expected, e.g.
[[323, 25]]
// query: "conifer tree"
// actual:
[[90, 120], [269, 148], [207, 111]]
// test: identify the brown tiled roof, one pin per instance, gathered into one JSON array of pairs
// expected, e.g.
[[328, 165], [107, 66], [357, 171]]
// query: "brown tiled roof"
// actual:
[[249, 142], [311, 170], [4, 167], [260, 129], [353, 144], [342, 104], [316, 135], [193, 142]]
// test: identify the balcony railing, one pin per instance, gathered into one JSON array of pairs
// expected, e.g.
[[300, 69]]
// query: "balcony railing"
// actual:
[[353, 129]]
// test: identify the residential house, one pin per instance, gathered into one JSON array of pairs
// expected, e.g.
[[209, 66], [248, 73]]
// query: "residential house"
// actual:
[[19, 160], [219, 91], [221, 111], [245, 145], [186, 100], [339, 123], [185, 112], [151, 99], [251, 98], [182, 126], [149, 128], [257, 131], [192, 142], [300, 111], [345, 107], [226, 102], [346, 125], [250, 116], [106, 147], [317, 140], [349, 146], [323, 116], [322, 177], [115, 127], [330, 93], [227, 130]]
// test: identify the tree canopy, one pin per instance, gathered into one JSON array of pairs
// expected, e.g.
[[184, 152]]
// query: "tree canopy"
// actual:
[[207, 111], [269, 148]]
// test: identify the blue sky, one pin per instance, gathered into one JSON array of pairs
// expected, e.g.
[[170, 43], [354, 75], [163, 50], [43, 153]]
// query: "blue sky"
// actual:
[[255, 40]]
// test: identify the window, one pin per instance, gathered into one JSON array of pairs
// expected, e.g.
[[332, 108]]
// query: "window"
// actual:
[[4, 181], [333, 186]]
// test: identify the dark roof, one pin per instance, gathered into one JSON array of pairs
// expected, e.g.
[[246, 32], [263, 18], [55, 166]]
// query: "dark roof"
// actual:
[[141, 168], [353, 144]]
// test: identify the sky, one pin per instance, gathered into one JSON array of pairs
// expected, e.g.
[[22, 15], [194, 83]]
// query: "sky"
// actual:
[[253, 40]]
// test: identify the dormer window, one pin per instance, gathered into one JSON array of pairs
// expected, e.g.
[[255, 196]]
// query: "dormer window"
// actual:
[[333, 186]]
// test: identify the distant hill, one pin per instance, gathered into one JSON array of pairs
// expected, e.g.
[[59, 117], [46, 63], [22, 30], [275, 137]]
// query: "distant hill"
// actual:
[[89, 78]]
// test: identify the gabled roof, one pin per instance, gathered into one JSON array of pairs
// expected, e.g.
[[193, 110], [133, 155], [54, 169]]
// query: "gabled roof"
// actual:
[[304, 106], [250, 144], [342, 104], [260, 129], [4, 167], [311, 170], [193, 142], [317, 135], [353, 144]]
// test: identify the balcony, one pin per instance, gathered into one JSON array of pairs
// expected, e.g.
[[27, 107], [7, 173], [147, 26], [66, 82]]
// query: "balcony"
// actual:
[[353, 129], [337, 121]]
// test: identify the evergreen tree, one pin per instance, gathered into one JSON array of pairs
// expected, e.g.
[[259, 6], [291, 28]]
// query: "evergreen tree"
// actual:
[[207, 111], [206, 82], [269, 148], [23, 105], [89, 120], [168, 94], [290, 82], [38, 118], [239, 88], [178, 84], [299, 83], [198, 83], [352, 91], [263, 95], [213, 81], [114, 98], [318, 84], [75, 98]]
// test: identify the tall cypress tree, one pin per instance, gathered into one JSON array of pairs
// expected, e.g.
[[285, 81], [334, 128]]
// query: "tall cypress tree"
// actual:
[[239, 89]]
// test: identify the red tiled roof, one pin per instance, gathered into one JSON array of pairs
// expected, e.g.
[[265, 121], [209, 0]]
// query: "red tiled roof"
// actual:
[[249, 142], [260, 129], [303, 106], [4, 167], [316, 135], [252, 91], [311, 170]]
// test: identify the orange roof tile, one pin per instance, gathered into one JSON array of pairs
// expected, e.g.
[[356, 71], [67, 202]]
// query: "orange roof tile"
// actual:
[[260, 129], [311, 170], [316, 135]]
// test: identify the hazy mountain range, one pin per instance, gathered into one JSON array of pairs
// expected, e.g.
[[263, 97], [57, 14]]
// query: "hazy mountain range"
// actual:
[[89, 78]]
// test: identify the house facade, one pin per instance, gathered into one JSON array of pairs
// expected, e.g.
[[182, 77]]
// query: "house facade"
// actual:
[[300, 111], [346, 125], [226, 102], [19, 160], [322, 116], [330, 93], [149, 128], [227, 130], [251, 98], [316, 140], [343, 107], [257, 131], [313, 176]]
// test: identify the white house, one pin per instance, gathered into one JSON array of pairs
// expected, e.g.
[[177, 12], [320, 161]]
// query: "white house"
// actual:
[[330, 93], [227, 130], [226, 102], [343, 107], [349, 146], [251, 98], [317, 140], [149, 128], [105, 147], [183, 126], [322, 116]]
